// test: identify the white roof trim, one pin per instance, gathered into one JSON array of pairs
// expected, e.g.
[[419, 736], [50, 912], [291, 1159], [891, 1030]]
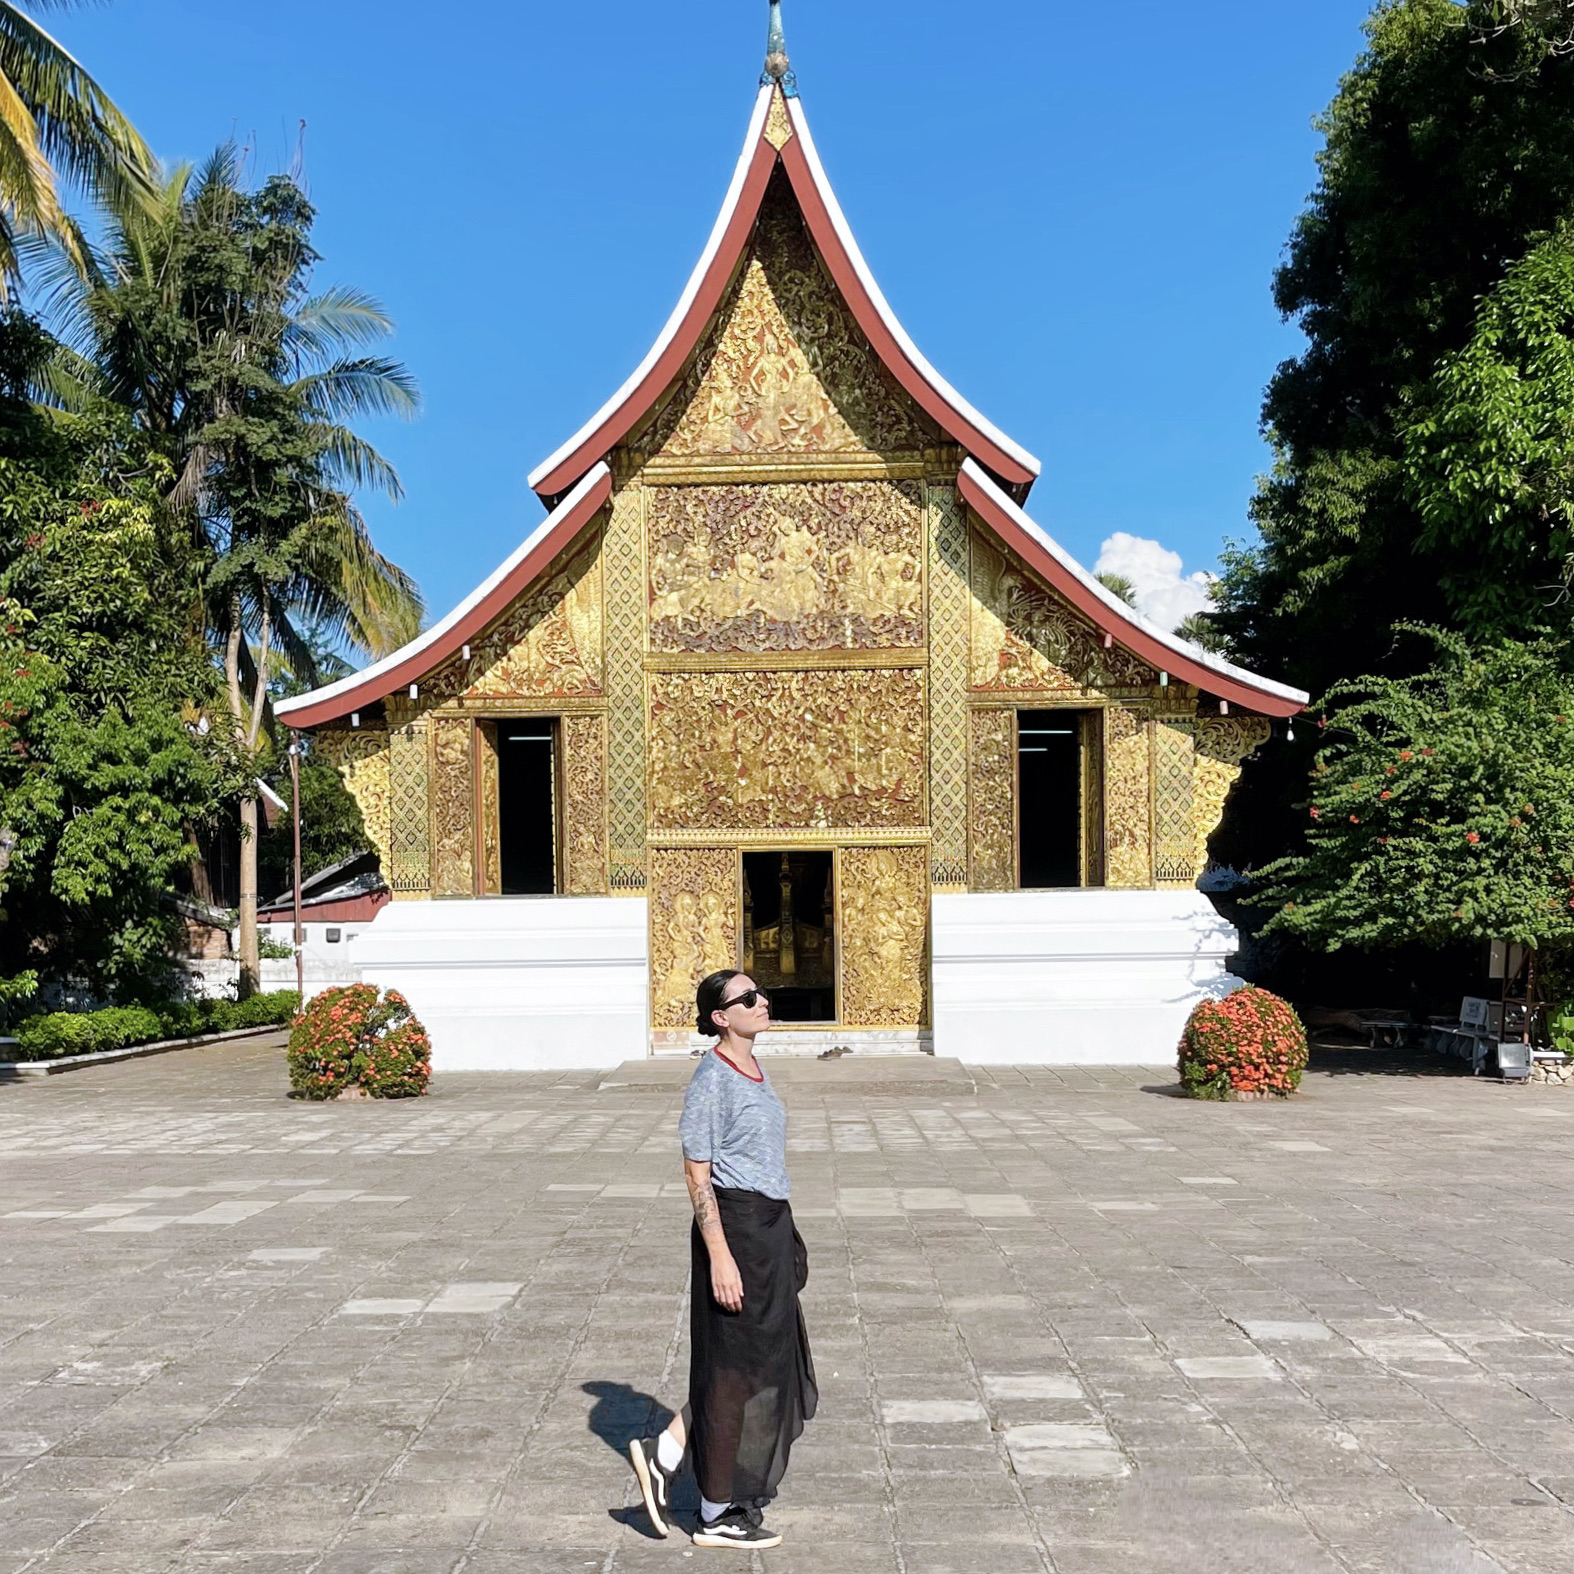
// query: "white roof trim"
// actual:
[[434, 635], [1181, 647], [762, 104], [844, 233]]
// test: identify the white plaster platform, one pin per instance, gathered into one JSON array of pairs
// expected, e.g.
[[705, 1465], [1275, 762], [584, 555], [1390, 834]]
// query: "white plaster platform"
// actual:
[[517, 983], [1065, 978]]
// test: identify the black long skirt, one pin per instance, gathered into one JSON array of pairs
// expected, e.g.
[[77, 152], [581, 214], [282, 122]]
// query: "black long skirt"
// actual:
[[751, 1376]]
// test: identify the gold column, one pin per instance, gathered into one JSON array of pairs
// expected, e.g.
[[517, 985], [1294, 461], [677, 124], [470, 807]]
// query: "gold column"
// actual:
[[948, 728], [1174, 826], [624, 559], [453, 806], [585, 804], [489, 828], [883, 926], [409, 866], [1128, 798], [694, 926], [991, 799]]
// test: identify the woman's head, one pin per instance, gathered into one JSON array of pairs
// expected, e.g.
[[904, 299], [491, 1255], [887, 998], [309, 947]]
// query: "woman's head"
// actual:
[[718, 1005]]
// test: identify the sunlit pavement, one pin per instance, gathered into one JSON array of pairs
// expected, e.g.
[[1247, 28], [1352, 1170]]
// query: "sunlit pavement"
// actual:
[[1062, 1320]]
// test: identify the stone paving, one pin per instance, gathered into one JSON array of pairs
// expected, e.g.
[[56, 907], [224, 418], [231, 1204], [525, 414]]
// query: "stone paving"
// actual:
[[1063, 1321]]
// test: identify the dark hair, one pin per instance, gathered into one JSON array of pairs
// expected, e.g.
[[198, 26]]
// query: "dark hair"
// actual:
[[709, 996]]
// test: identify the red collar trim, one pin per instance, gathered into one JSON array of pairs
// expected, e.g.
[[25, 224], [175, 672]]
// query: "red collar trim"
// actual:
[[739, 1069]]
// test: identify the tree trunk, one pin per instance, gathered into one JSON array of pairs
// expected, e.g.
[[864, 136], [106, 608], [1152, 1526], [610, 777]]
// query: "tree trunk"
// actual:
[[250, 957]]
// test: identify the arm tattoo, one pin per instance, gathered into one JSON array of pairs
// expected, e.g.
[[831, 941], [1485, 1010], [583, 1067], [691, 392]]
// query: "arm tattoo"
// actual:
[[704, 1206]]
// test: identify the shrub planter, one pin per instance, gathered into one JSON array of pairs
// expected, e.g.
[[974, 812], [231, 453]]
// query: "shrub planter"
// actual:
[[1250, 1045], [359, 1042], [15, 1070]]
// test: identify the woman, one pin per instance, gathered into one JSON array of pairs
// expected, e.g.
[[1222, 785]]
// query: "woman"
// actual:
[[751, 1377]]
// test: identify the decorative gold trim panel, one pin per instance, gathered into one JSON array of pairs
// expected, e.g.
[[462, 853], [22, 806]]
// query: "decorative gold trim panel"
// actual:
[[1174, 823], [362, 758], [1128, 798], [785, 661], [453, 807], [731, 470], [584, 804], [625, 590], [409, 867], [991, 799], [883, 925], [694, 926], [948, 725], [796, 836], [489, 831]]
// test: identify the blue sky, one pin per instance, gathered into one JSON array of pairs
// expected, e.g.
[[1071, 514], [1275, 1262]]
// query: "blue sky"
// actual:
[[1075, 210]]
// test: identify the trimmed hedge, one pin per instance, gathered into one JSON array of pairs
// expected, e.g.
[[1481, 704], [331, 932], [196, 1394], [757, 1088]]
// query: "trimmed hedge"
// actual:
[[1250, 1044], [60, 1033], [358, 1036]]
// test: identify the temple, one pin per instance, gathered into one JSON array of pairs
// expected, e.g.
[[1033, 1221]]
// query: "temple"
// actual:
[[788, 679]]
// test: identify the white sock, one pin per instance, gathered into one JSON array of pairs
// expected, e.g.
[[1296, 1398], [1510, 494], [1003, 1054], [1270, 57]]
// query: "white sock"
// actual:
[[669, 1452], [711, 1512]]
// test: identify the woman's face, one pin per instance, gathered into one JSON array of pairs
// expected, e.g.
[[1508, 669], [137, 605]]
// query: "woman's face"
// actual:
[[745, 1020]]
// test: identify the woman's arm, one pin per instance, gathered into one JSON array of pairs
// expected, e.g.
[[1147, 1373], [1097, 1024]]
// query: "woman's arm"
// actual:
[[726, 1282]]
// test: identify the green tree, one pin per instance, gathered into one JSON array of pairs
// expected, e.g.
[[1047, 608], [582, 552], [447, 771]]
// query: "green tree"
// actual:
[[331, 825], [1448, 151], [198, 318], [54, 120], [1119, 585], [1439, 808]]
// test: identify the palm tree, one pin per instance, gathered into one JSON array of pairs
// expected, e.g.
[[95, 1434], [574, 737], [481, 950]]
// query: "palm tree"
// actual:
[[1119, 585], [196, 317], [56, 120]]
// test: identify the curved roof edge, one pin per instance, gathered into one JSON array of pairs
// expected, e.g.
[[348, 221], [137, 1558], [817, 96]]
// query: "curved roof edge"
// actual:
[[691, 317], [1165, 651], [410, 663]]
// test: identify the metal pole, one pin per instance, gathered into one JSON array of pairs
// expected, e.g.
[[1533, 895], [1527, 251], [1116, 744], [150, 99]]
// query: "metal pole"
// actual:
[[295, 794]]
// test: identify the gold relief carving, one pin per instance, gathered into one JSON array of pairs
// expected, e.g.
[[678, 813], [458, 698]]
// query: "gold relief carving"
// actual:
[[884, 929], [948, 745], [625, 626], [788, 371], [409, 866], [819, 565], [548, 643], [453, 807], [490, 828], [778, 127], [1093, 859], [585, 804], [1174, 828], [1128, 803], [693, 926], [991, 795], [361, 756], [1222, 743], [827, 748], [1024, 637]]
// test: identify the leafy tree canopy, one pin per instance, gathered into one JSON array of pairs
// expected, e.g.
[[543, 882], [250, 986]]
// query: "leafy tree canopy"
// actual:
[[1440, 808]]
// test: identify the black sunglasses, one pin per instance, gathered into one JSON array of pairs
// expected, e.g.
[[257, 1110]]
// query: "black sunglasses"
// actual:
[[746, 1000]]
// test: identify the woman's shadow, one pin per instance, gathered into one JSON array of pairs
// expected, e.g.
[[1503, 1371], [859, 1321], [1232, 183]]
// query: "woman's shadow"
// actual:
[[619, 1415]]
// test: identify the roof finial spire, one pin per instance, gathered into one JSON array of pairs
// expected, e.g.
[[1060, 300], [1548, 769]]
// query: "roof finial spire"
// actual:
[[778, 69]]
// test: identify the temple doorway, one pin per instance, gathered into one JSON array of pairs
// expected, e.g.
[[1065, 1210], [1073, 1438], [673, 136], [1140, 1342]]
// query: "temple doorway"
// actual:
[[527, 806], [789, 942], [1052, 766]]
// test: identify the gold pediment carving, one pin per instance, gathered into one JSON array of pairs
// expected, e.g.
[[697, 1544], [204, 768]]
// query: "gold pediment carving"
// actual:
[[823, 565], [787, 370]]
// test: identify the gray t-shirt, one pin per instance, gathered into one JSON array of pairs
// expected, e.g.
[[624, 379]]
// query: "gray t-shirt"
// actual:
[[738, 1125]]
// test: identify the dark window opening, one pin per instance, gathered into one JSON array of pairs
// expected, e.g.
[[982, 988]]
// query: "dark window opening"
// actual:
[[526, 807], [789, 941], [1049, 798]]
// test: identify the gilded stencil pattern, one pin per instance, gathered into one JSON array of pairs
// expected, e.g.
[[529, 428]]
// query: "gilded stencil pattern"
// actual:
[[1023, 637], [693, 926], [1174, 828], [490, 829], [585, 804], [1222, 743], [740, 749], [991, 766], [362, 759], [453, 808], [778, 127], [626, 693], [884, 931], [547, 644], [409, 866], [821, 565], [789, 371], [1128, 801], [948, 618]]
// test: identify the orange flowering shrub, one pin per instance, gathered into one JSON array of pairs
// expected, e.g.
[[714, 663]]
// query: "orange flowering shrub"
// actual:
[[359, 1037], [1249, 1042]]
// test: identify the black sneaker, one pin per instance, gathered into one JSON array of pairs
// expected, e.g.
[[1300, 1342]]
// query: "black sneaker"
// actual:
[[738, 1527], [655, 1482]]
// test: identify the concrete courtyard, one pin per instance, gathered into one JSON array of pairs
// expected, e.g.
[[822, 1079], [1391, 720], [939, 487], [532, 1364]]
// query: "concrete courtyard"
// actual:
[[1062, 1320]]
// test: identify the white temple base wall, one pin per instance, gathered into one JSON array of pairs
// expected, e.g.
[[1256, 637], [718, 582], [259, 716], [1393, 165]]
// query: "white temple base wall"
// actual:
[[523, 983], [1067, 978]]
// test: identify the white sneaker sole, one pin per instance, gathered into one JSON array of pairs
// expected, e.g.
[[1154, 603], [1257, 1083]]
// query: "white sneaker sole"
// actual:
[[707, 1538], [647, 1488]]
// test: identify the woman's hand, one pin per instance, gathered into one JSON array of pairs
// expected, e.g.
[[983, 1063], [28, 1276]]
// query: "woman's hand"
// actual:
[[726, 1283]]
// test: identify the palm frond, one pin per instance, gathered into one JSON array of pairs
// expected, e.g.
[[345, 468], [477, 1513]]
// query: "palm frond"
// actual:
[[351, 463], [338, 319], [369, 385]]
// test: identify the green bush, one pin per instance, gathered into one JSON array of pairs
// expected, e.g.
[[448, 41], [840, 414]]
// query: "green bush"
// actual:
[[59, 1033], [357, 1036]]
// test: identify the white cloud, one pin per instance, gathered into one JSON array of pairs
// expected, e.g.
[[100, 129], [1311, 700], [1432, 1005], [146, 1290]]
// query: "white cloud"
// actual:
[[1164, 594]]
